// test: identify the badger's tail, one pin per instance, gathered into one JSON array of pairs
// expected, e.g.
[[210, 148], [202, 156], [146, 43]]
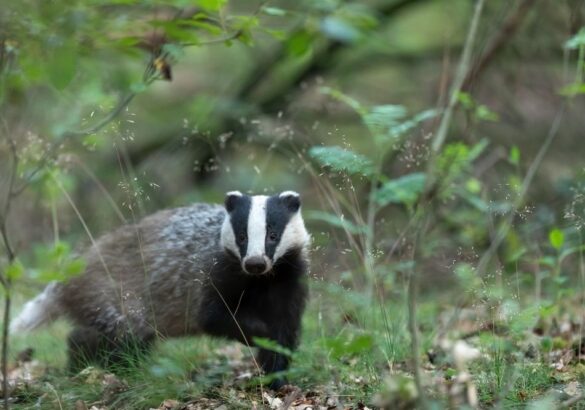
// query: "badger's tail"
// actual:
[[42, 310]]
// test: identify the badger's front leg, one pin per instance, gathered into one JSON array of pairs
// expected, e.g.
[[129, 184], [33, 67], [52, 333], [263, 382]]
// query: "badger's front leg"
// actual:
[[218, 320], [286, 303]]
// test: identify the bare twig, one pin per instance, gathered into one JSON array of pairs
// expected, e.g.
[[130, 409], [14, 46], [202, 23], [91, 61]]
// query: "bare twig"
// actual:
[[462, 70], [54, 147], [497, 43], [5, 280], [503, 231], [213, 41]]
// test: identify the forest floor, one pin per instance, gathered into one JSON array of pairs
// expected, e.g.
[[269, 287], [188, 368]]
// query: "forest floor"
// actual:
[[354, 355]]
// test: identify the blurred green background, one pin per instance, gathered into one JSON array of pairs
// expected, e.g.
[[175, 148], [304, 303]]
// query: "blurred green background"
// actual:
[[116, 109]]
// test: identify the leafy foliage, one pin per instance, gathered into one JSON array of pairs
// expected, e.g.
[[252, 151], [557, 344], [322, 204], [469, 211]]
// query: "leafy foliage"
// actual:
[[403, 190], [343, 160]]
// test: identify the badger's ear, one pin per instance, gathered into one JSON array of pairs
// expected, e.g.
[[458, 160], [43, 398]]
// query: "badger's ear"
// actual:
[[231, 199], [291, 200]]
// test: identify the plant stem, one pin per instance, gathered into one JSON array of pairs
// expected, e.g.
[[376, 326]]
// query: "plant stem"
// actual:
[[7, 287], [425, 206], [5, 327], [5, 280]]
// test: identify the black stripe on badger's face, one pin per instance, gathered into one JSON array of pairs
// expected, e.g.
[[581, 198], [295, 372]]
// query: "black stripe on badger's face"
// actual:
[[234, 233], [279, 211], [261, 229]]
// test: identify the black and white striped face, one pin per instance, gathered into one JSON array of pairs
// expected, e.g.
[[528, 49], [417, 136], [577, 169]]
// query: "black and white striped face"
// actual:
[[260, 229]]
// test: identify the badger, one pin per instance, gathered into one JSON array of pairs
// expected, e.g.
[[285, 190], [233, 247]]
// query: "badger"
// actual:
[[236, 271]]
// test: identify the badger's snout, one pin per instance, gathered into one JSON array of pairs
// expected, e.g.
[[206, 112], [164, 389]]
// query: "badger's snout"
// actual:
[[256, 265]]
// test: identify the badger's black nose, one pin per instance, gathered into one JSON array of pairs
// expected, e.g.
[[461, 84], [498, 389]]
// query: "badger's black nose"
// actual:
[[255, 265]]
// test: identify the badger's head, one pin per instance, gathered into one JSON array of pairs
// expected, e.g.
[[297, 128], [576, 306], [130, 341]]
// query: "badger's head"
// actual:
[[260, 229]]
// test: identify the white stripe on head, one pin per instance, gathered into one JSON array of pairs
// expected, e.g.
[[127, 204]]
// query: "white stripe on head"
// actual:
[[234, 193], [228, 238], [288, 193], [294, 236], [257, 227]]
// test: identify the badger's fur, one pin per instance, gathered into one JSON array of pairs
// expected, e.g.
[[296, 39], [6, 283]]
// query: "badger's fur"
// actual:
[[236, 271]]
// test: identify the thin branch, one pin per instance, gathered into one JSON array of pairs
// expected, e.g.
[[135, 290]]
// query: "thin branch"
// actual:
[[121, 106], [463, 68], [220, 40], [497, 43], [4, 279], [330, 51], [503, 231], [52, 150]]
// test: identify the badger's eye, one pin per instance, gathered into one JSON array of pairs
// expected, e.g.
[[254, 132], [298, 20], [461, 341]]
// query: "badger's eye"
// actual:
[[273, 236], [242, 237]]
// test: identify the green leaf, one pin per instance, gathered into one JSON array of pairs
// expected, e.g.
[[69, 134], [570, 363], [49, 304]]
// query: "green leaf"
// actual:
[[473, 185], [572, 90], [175, 31], [74, 267], [61, 66], [482, 112], [342, 159], [382, 118], [556, 237], [212, 5], [344, 346], [14, 271], [271, 345], [210, 28], [274, 11], [405, 126], [339, 29], [576, 41], [525, 320], [336, 221], [299, 43], [404, 190], [465, 100], [514, 156]]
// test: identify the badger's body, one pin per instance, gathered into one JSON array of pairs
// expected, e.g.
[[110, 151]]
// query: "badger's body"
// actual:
[[236, 271]]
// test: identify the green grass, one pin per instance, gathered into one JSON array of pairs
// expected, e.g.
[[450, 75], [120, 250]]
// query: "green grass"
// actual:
[[335, 356], [348, 349]]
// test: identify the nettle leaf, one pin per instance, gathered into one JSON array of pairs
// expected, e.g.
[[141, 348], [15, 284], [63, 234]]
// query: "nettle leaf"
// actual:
[[342, 159], [406, 126], [404, 190], [336, 221], [382, 118], [556, 238]]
